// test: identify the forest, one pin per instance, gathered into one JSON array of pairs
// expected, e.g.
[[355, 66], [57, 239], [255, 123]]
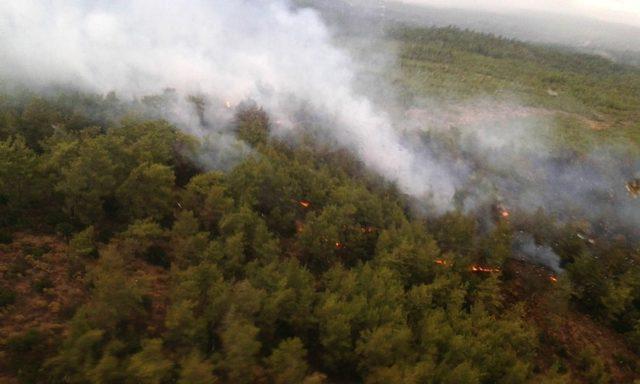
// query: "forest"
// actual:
[[125, 259], [462, 64]]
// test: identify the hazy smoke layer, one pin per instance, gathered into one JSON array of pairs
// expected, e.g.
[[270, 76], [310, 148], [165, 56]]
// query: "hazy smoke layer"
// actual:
[[527, 248], [512, 158], [617, 11], [228, 50], [284, 59]]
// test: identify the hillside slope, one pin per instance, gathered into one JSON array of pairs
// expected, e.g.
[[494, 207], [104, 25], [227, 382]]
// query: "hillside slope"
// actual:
[[125, 260]]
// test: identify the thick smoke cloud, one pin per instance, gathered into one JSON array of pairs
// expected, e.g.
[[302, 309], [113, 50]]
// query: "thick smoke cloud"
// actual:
[[526, 247], [284, 58], [511, 158], [228, 50]]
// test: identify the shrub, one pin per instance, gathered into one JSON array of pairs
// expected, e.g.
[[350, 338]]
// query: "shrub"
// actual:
[[25, 354], [36, 251], [5, 237], [41, 284], [7, 297]]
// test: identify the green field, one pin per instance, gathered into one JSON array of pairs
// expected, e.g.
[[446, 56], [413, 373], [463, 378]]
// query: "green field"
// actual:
[[596, 100]]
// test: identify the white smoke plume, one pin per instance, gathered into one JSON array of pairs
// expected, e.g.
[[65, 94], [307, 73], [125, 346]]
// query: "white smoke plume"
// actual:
[[526, 247], [511, 156], [263, 50], [284, 58]]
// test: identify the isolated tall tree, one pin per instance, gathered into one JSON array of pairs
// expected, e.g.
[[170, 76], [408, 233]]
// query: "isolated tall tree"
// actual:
[[150, 366], [147, 192], [287, 363], [88, 180], [196, 370], [241, 348], [37, 121], [20, 184]]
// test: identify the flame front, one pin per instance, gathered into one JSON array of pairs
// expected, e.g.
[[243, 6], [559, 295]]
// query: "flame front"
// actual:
[[501, 212], [483, 269], [304, 203]]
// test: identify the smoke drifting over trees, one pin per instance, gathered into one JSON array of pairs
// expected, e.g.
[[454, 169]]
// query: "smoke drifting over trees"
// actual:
[[284, 59], [257, 191], [265, 51]]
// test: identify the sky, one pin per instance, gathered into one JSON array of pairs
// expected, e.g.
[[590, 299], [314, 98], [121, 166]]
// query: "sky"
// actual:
[[617, 11]]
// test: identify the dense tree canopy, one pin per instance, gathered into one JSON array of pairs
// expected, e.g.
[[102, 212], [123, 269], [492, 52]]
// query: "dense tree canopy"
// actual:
[[295, 266]]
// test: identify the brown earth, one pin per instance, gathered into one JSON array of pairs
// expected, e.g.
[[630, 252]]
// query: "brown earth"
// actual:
[[38, 270], [581, 342], [500, 113], [49, 287]]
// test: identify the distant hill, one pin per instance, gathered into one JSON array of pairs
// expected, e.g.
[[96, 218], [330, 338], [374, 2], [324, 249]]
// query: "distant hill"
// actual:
[[615, 41]]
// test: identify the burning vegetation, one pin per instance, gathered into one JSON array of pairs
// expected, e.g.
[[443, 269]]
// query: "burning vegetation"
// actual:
[[501, 212], [477, 268], [266, 261], [253, 284], [368, 229], [484, 269]]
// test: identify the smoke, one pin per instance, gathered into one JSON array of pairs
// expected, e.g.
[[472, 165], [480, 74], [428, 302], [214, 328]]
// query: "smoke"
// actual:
[[511, 156], [526, 247], [285, 59], [230, 51]]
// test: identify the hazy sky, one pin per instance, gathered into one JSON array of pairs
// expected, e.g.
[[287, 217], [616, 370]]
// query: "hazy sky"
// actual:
[[621, 11]]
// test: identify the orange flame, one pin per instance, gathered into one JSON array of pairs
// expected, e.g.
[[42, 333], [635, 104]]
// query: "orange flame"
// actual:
[[339, 245], [367, 229], [501, 211], [441, 262], [553, 279], [481, 269], [305, 203]]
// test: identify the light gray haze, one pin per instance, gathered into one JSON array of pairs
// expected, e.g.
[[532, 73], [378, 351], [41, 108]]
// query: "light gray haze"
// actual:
[[283, 57]]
